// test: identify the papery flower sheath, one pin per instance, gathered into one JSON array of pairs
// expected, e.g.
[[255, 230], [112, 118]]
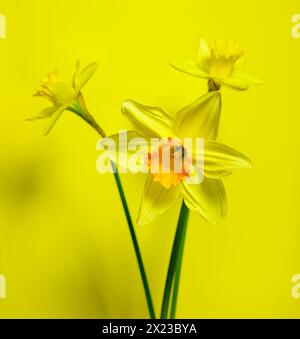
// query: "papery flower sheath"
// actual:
[[198, 120], [65, 96], [219, 63]]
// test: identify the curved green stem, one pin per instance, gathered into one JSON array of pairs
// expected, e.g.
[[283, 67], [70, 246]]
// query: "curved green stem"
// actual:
[[135, 243], [174, 271], [81, 110], [178, 274], [175, 256]]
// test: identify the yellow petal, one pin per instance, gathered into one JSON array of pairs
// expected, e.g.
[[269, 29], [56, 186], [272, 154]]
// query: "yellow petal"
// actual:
[[207, 198], [45, 113], [236, 83], [146, 120], [63, 93], [156, 200], [240, 81], [84, 76], [76, 72], [53, 120], [204, 55], [221, 160], [200, 118], [190, 68], [252, 80]]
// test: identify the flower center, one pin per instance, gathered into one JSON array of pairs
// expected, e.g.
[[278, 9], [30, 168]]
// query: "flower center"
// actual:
[[56, 91], [224, 55], [169, 163]]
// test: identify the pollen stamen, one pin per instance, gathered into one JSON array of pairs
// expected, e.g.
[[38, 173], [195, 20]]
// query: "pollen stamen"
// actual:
[[168, 163]]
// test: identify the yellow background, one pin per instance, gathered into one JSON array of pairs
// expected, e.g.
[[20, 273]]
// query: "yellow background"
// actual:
[[65, 246]]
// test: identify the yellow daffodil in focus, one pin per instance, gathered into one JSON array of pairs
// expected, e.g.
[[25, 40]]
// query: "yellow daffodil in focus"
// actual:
[[198, 120], [219, 63], [66, 96]]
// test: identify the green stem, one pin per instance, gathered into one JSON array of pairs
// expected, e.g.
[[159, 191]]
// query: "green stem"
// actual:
[[174, 271], [135, 243], [175, 256], [178, 271], [81, 110]]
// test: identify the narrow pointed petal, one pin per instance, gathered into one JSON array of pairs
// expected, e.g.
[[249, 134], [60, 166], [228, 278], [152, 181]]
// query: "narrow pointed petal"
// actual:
[[201, 118], [238, 72], [241, 82], [207, 198], [236, 83], [148, 121], [76, 72], [84, 76], [204, 55], [252, 80], [45, 113], [53, 120], [190, 68], [156, 200], [221, 160]]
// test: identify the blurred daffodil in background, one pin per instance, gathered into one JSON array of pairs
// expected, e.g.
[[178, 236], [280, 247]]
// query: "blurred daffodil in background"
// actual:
[[66, 96], [219, 63], [162, 188]]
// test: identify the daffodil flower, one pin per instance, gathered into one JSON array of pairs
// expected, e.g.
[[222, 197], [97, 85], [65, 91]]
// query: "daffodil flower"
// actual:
[[219, 63], [194, 121], [66, 96]]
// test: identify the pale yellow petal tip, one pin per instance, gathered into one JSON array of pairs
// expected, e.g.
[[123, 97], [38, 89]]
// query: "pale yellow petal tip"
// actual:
[[259, 82], [219, 218], [243, 162], [203, 47], [30, 119], [80, 79], [222, 216], [253, 80], [212, 219], [173, 65], [94, 66], [177, 66], [246, 163], [46, 132], [142, 221], [128, 105]]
